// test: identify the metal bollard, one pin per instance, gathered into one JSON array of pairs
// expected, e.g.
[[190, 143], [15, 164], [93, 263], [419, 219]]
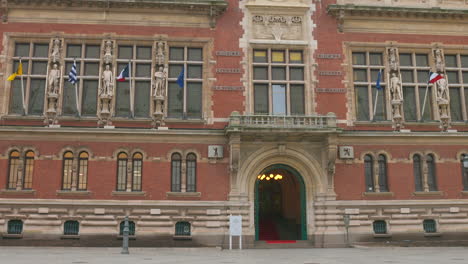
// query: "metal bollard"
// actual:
[[126, 230], [346, 220]]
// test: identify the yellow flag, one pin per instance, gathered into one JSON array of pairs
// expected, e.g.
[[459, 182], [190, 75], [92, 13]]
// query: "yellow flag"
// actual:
[[19, 71]]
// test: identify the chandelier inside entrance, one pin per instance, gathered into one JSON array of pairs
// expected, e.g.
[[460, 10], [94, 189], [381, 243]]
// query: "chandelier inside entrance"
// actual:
[[267, 177]]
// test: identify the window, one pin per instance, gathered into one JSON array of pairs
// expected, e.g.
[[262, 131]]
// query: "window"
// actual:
[[464, 173], [28, 91], [278, 82], [71, 228], [176, 171], [431, 173], [67, 175], [191, 172], [122, 160], [137, 171], [15, 227], [366, 68], [380, 227], [13, 169], [28, 170], [82, 171], [131, 228], [182, 229], [369, 173], [417, 171], [456, 66], [133, 97], [414, 69], [383, 173], [185, 101], [87, 57], [429, 226]]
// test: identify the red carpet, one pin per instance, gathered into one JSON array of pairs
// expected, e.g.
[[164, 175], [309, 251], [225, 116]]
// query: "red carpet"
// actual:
[[268, 230], [281, 241]]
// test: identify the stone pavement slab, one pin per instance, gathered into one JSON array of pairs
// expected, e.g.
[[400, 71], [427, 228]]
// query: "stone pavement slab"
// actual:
[[81, 255]]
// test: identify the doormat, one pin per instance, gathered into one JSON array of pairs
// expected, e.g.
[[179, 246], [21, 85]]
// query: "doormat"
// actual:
[[280, 241]]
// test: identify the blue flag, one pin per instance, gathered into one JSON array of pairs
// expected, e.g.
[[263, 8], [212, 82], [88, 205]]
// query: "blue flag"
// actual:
[[72, 77], [180, 79], [377, 84]]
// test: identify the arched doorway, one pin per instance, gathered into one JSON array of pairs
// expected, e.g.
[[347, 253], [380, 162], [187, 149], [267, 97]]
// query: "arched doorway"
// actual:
[[280, 204]]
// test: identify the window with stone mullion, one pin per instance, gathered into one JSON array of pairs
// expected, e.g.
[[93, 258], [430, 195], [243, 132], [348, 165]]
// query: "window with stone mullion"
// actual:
[[366, 68], [278, 81], [185, 102], [456, 66], [87, 57], [34, 58]]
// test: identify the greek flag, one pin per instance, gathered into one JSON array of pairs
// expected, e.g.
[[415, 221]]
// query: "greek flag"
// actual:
[[72, 75]]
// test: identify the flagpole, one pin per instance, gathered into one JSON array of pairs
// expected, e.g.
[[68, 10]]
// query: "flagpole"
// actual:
[[131, 88], [22, 87], [425, 97], [76, 92], [376, 95]]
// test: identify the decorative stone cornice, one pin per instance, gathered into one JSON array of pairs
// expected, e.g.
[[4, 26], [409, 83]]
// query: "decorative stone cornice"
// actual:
[[210, 8]]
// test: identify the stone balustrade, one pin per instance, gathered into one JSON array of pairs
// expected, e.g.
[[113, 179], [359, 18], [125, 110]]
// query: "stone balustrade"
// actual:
[[288, 122], [443, 4]]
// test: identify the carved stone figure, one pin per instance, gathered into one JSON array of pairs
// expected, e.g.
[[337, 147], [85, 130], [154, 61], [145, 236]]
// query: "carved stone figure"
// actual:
[[54, 79], [56, 50], [392, 59], [108, 52], [443, 98], [160, 56], [395, 88], [439, 60], [107, 82], [160, 82]]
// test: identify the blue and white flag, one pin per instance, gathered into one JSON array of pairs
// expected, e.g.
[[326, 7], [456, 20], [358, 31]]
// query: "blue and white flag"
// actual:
[[72, 77], [180, 79], [377, 83]]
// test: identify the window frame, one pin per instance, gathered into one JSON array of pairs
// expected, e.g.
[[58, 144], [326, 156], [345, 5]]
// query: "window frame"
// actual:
[[191, 172], [122, 167], [137, 184], [176, 172], [83, 162], [288, 82], [462, 84], [12, 181], [67, 167], [464, 173], [369, 173], [69, 224], [28, 170]]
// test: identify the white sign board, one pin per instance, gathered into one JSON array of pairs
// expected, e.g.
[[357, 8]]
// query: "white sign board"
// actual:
[[346, 152], [235, 229]]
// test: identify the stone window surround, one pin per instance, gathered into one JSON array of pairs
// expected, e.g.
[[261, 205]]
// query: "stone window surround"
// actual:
[[375, 170], [183, 192], [207, 81], [425, 174], [309, 97], [75, 168], [21, 170], [129, 173], [350, 47]]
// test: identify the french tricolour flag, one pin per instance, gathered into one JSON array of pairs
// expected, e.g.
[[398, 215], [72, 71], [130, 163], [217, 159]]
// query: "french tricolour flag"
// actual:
[[124, 74], [434, 77]]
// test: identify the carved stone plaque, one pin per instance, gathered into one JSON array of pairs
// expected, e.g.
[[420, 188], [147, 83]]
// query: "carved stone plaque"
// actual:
[[346, 152], [277, 27], [215, 152]]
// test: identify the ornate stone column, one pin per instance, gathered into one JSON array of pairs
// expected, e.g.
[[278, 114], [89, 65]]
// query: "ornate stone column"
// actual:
[[54, 80], [106, 85], [442, 90], [159, 84], [395, 87]]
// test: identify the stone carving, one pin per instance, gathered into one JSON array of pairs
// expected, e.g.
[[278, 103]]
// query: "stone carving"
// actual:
[[439, 60], [107, 87], [53, 87], [393, 62], [55, 55], [108, 52], [158, 92], [277, 27], [54, 79], [395, 87], [443, 100]]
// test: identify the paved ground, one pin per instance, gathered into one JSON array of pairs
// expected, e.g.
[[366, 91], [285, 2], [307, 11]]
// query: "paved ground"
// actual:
[[49, 255]]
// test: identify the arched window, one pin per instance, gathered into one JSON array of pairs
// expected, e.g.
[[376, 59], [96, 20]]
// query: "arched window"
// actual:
[[71, 228], [67, 170], [383, 173], [464, 173], [431, 173], [122, 159], [191, 172], [176, 162], [137, 164], [13, 169], [28, 170], [369, 173], [417, 171], [182, 229], [82, 171], [15, 227], [131, 228]]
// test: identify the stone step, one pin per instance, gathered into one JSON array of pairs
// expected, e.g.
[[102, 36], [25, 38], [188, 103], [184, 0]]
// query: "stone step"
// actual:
[[261, 244]]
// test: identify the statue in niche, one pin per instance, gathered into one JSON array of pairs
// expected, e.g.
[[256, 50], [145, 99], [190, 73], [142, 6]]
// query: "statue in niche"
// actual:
[[160, 58], [56, 50], [392, 59], [107, 77], [395, 88], [443, 98], [159, 88], [54, 79], [439, 60], [108, 52]]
